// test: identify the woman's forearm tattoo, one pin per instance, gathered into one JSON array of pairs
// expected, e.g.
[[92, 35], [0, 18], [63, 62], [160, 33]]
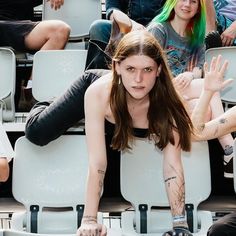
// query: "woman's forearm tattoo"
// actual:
[[223, 121], [201, 127], [101, 179], [177, 185]]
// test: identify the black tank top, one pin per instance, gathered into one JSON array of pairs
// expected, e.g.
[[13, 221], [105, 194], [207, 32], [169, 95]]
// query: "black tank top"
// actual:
[[138, 132]]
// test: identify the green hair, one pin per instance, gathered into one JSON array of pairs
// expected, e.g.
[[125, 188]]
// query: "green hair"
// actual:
[[196, 28]]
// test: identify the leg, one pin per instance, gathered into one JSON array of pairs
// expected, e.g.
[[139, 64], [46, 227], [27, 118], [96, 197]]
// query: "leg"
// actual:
[[47, 35], [226, 226], [100, 30], [99, 33], [47, 122]]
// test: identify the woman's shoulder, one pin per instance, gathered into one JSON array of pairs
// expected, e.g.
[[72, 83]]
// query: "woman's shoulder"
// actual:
[[156, 26], [100, 89]]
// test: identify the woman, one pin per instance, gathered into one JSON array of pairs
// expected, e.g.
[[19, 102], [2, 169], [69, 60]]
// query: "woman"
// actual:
[[180, 29], [133, 97], [137, 99]]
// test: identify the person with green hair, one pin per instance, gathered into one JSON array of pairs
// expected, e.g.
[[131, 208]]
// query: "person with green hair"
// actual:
[[180, 28]]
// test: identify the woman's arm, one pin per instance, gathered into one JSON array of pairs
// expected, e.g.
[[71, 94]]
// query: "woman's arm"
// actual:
[[115, 4], [95, 134], [175, 186], [210, 16], [213, 82]]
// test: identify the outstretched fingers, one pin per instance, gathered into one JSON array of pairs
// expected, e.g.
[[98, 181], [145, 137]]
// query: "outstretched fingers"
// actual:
[[214, 74]]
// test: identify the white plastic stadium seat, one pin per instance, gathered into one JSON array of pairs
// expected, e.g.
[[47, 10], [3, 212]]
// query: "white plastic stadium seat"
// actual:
[[54, 71], [78, 14], [228, 95], [7, 84], [142, 184], [50, 182], [11, 232]]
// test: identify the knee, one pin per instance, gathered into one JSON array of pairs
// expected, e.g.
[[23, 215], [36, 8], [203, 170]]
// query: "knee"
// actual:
[[59, 31], [4, 170], [100, 30], [36, 129], [63, 30], [35, 135]]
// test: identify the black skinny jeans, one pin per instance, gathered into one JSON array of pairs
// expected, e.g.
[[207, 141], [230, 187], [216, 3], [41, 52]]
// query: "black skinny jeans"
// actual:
[[47, 121]]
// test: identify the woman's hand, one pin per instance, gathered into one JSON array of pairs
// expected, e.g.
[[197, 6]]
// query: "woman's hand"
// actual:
[[214, 75], [91, 229], [229, 35], [56, 4], [183, 80]]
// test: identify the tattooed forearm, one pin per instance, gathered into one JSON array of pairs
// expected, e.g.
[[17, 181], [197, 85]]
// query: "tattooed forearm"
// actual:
[[101, 178], [176, 190], [89, 219], [201, 127], [223, 121], [102, 172], [170, 178]]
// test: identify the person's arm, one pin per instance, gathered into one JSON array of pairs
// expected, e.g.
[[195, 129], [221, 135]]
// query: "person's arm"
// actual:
[[95, 134], [229, 35], [213, 82], [112, 5], [210, 16], [175, 187]]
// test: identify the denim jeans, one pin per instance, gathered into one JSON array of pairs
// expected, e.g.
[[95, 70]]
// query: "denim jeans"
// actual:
[[100, 30]]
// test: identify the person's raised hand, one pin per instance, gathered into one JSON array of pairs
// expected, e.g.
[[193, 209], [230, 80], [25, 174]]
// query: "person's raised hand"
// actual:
[[214, 75]]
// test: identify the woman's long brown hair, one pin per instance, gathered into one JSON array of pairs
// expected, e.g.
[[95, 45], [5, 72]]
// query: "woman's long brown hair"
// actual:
[[166, 111]]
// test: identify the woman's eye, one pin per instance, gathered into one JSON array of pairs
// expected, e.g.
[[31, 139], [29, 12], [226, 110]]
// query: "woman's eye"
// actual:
[[148, 69], [130, 69]]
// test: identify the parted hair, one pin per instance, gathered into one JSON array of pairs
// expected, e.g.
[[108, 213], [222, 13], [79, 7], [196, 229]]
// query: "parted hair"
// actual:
[[166, 111]]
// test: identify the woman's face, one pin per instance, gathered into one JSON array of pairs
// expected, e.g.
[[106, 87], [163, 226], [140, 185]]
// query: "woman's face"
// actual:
[[186, 9], [138, 75]]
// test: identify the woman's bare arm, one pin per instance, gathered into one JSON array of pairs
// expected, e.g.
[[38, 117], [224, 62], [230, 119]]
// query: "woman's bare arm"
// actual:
[[213, 82]]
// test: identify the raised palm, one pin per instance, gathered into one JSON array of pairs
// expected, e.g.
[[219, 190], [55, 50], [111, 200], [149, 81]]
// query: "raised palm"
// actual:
[[214, 75]]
